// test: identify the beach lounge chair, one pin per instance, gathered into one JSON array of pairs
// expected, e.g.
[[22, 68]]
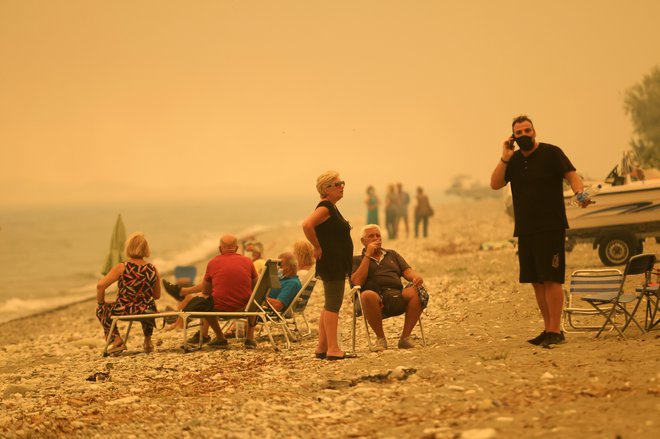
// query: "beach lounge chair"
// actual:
[[588, 283], [255, 307], [300, 305], [287, 317], [135, 318], [357, 312], [185, 275], [608, 305]]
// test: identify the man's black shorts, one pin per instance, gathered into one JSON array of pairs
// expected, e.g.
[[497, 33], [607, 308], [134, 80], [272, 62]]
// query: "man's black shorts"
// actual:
[[542, 257], [200, 304]]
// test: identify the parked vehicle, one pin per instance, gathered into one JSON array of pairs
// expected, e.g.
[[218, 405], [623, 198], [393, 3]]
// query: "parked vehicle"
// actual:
[[625, 212]]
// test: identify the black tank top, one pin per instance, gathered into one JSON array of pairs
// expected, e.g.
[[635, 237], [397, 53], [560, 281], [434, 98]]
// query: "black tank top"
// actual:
[[334, 235]]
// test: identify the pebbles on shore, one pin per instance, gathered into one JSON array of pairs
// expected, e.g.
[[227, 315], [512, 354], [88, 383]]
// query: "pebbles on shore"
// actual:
[[476, 378]]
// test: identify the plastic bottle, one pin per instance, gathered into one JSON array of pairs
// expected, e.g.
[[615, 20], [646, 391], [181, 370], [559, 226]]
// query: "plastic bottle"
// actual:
[[587, 194], [240, 329]]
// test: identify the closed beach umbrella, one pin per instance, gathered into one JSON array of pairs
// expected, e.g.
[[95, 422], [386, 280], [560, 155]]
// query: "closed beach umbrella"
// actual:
[[116, 253]]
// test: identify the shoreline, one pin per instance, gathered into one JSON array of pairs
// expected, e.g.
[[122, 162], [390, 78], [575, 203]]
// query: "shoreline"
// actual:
[[199, 263]]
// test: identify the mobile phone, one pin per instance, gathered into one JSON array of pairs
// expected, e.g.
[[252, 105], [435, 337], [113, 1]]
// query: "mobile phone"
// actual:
[[512, 141]]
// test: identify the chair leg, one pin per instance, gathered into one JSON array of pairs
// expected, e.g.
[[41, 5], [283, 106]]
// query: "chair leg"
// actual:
[[608, 319], [108, 338], [270, 336], [366, 330], [652, 306], [128, 331], [353, 331], [421, 329], [308, 329], [631, 317]]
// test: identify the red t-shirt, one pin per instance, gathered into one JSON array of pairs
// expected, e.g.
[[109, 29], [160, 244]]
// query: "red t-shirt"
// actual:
[[231, 275]]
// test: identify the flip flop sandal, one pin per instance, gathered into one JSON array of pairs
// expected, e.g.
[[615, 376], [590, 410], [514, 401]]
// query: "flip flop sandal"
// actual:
[[343, 357]]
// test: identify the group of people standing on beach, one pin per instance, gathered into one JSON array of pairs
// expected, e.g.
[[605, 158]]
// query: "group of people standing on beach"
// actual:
[[536, 172], [397, 202]]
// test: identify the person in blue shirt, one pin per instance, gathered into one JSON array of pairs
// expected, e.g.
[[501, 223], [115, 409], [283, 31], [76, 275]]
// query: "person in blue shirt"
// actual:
[[280, 298]]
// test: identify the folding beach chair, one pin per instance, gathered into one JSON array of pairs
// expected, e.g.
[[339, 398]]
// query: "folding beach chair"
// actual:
[[185, 275], [287, 317], [652, 294], [135, 318], [591, 283], [357, 312], [255, 307], [607, 306]]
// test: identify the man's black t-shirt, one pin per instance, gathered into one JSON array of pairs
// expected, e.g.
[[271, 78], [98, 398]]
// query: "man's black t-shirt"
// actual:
[[536, 186]]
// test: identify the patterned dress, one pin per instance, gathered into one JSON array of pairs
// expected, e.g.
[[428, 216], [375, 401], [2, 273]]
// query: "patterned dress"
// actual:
[[134, 296]]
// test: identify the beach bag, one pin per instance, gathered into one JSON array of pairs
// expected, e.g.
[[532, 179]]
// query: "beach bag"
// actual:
[[393, 303], [423, 296]]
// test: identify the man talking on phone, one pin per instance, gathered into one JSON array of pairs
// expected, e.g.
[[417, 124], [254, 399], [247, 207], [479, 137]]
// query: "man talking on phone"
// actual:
[[536, 171]]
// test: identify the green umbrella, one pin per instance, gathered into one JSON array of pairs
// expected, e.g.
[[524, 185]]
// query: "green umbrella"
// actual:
[[116, 253]]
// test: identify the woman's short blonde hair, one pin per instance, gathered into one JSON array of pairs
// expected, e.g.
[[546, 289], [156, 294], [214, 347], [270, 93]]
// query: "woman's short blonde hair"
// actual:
[[324, 181], [137, 246], [304, 253]]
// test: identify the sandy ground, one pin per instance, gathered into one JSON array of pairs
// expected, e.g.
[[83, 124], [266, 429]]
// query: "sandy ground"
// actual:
[[476, 378]]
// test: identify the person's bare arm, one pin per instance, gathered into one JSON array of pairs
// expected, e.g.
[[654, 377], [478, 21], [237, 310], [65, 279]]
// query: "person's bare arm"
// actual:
[[319, 215], [412, 276], [106, 281], [497, 180], [156, 291], [275, 304], [207, 288], [574, 181], [359, 276]]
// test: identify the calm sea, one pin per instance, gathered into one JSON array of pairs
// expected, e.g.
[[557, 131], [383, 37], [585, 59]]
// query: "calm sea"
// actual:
[[52, 256]]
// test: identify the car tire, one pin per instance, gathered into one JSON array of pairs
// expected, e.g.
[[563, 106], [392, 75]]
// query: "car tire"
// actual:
[[617, 248]]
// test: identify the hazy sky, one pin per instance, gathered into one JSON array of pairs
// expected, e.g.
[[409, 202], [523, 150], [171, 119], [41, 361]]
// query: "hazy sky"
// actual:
[[128, 99]]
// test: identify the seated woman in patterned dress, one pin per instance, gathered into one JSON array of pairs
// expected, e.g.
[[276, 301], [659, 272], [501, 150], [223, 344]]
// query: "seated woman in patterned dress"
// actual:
[[138, 288]]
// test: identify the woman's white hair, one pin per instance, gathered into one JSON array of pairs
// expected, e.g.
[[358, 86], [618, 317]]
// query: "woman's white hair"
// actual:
[[324, 181]]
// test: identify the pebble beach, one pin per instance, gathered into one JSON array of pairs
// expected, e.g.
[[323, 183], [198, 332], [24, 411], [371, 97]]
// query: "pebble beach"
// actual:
[[477, 377]]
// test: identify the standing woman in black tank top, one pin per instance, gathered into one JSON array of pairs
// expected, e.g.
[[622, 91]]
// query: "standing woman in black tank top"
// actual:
[[330, 235]]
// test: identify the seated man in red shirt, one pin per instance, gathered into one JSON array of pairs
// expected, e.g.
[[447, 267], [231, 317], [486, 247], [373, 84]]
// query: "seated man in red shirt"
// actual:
[[227, 286]]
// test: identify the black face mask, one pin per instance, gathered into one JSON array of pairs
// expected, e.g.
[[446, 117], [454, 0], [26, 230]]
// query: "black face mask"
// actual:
[[525, 143]]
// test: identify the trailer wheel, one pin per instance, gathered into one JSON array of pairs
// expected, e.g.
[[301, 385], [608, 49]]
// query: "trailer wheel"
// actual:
[[617, 248]]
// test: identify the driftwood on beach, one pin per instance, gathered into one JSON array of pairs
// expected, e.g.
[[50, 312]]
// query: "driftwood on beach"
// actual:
[[477, 377]]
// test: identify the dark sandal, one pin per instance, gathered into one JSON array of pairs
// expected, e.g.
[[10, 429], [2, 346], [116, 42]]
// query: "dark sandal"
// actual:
[[343, 357], [320, 355]]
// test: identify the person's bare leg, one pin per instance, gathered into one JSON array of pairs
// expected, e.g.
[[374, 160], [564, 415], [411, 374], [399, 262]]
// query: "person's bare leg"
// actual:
[[178, 324], [554, 299], [539, 291], [413, 310], [205, 327], [213, 322], [251, 324], [330, 324], [322, 344], [148, 345], [372, 311]]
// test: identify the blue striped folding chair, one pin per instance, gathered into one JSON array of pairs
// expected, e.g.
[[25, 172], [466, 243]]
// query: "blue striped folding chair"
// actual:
[[602, 283]]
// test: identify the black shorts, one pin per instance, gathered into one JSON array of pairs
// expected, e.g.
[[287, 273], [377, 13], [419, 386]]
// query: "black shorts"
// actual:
[[200, 304], [393, 303], [542, 257]]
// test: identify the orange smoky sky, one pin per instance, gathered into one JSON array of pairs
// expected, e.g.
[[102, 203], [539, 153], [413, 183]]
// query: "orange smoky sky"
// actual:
[[112, 100]]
